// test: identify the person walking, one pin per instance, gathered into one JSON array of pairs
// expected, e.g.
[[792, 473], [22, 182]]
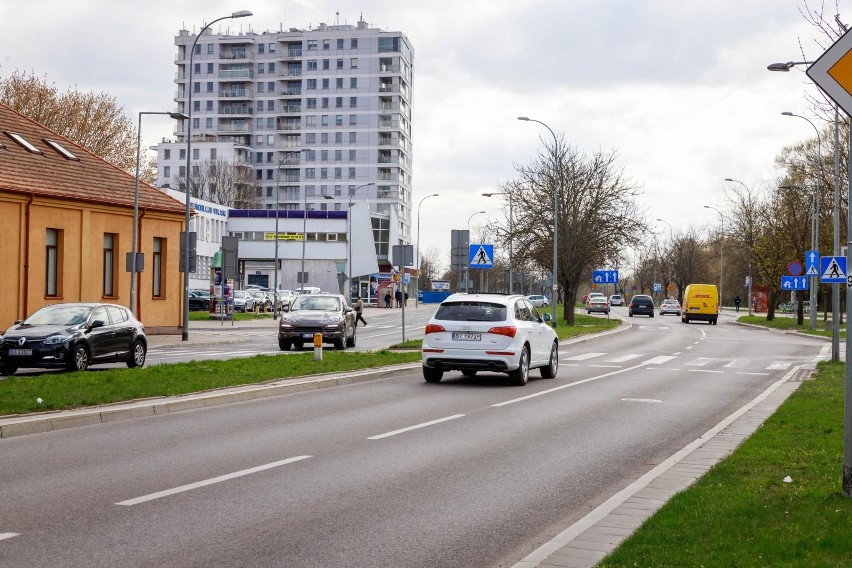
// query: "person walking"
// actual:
[[405, 299], [398, 296], [359, 311], [737, 302], [387, 300]]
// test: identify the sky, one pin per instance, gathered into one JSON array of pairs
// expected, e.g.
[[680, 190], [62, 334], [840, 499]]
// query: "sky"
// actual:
[[679, 90]]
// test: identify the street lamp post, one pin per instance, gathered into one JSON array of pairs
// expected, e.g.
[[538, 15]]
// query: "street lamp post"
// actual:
[[417, 274], [750, 244], [511, 257], [188, 175], [557, 189], [135, 238], [349, 239], [721, 240], [671, 238], [467, 270], [277, 214]]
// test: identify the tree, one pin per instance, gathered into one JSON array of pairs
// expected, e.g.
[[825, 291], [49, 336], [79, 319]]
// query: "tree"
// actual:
[[95, 121], [227, 183], [597, 214], [430, 267]]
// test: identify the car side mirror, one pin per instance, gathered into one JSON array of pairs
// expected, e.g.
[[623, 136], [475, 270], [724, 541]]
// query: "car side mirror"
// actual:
[[348, 309], [97, 323], [547, 318], [285, 308]]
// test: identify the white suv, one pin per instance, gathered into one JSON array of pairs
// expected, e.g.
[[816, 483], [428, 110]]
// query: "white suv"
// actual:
[[489, 332]]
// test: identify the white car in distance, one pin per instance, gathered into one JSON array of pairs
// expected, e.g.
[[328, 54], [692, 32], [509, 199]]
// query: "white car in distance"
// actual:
[[489, 332], [538, 301]]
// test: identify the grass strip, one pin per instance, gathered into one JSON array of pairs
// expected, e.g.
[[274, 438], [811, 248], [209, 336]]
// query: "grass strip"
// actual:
[[742, 513], [584, 325], [789, 324], [61, 391]]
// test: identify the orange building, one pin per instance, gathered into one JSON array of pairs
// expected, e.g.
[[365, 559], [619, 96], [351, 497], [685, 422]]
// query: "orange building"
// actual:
[[67, 225]]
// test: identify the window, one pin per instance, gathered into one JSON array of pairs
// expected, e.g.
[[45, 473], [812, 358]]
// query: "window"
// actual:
[[312, 103], [351, 173], [353, 102], [353, 63], [323, 173], [351, 155], [167, 172], [157, 273], [212, 153], [338, 102], [311, 84], [196, 153], [312, 64], [196, 106], [270, 67], [325, 102], [311, 120], [325, 84], [209, 68], [340, 64], [196, 87], [209, 48], [261, 48], [208, 122], [209, 105], [325, 120], [270, 104], [312, 44], [271, 48], [310, 155], [324, 138], [196, 122], [182, 153], [338, 120], [340, 43], [325, 64], [326, 44], [353, 119], [110, 276], [338, 173], [353, 83], [167, 154], [310, 173], [52, 263], [196, 69], [324, 155], [338, 138], [338, 83], [260, 87], [353, 137], [311, 137]]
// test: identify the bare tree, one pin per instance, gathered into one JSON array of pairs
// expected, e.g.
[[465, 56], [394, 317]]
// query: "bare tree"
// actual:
[[221, 181], [430, 267], [597, 214], [95, 121]]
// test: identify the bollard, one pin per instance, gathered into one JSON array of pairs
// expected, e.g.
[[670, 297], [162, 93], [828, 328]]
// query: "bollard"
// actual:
[[317, 347]]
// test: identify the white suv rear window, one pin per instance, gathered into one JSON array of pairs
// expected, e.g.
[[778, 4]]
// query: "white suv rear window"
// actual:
[[471, 311]]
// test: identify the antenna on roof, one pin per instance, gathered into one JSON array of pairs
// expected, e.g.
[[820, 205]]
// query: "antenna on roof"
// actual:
[[337, 18]]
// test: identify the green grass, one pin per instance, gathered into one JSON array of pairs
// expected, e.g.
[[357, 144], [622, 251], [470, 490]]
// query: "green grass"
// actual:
[[238, 316], [409, 344], [584, 325], [60, 391], [741, 513], [789, 323]]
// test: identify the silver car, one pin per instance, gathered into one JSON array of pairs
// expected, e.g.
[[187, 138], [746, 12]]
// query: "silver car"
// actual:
[[538, 301]]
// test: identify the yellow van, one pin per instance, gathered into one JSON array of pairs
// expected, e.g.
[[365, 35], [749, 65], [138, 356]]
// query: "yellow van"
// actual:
[[700, 303]]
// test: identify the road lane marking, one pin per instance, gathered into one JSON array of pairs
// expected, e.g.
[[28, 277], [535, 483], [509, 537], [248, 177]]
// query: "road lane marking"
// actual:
[[662, 369], [698, 362], [747, 373], [211, 481], [583, 356], [736, 363], [779, 366], [4, 536], [641, 400], [623, 358], [415, 427], [607, 366], [705, 371], [659, 360]]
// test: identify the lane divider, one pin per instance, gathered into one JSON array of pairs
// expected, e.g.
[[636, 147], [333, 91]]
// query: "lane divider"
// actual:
[[415, 427]]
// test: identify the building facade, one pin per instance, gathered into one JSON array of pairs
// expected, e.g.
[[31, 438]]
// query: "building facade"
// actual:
[[321, 117]]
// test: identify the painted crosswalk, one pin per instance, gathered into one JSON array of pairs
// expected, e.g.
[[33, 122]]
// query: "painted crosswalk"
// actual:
[[699, 364]]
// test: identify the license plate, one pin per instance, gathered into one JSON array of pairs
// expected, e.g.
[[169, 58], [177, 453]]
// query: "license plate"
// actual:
[[307, 336], [466, 336], [21, 352]]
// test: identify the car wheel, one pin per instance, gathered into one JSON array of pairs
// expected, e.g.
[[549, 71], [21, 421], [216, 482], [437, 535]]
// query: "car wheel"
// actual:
[[469, 373], [630, 314], [350, 341], [549, 372], [8, 370], [652, 315], [299, 345], [137, 355], [284, 344], [432, 375], [205, 306], [340, 344], [588, 312], [79, 360], [519, 376]]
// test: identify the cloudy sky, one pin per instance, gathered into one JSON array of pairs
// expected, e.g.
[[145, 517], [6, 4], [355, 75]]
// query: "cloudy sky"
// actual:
[[679, 89]]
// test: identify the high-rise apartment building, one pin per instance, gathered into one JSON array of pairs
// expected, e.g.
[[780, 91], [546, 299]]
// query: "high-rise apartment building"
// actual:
[[313, 119]]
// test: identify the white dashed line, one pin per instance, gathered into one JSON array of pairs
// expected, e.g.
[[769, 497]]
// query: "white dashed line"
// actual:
[[4, 536], [415, 427], [641, 400]]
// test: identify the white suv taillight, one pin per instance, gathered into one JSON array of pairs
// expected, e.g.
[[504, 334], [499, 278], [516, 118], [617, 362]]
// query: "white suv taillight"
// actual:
[[508, 330]]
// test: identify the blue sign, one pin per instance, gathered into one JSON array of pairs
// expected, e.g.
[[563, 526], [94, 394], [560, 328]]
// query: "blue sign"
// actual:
[[794, 283], [812, 263], [482, 256], [658, 287], [605, 276], [832, 269]]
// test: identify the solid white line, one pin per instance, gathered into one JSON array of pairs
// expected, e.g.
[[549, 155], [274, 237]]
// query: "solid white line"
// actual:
[[4, 536], [662, 369], [704, 371], [415, 427], [536, 557], [206, 482], [641, 400]]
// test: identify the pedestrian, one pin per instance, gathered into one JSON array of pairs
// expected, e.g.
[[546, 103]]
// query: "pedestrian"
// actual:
[[737, 302], [398, 296], [387, 300], [359, 311], [405, 299]]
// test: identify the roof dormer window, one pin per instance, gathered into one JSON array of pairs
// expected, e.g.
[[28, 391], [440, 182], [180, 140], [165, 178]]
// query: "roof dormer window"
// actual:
[[64, 152], [23, 142]]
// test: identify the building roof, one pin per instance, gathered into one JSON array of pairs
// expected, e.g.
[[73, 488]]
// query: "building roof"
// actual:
[[37, 160]]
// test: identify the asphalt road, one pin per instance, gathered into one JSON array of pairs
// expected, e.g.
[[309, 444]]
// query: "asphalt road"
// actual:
[[398, 472]]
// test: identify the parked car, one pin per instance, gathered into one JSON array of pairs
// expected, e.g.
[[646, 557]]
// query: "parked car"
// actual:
[[598, 304], [594, 295], [243, 301], [670, 306], [199, 300], [260, 301], [73, 336], [308, 314], [284, 297], [641, 304], [616, 300], [538, 301], [489, 332]]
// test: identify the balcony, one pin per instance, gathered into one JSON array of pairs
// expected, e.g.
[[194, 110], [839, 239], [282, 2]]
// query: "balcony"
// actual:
[[386, 141], [232, 128], [388, 88], [288, 126], [289, 144], [236, 109], [290, 93], [237, 94], [291, 53], [388, 68], [236, 74], [236, 55], [389, 106], [291, 179], [290, 109], [290, 73], [180, 76]]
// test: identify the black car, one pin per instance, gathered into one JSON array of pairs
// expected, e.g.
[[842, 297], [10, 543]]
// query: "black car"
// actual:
[[199, 300], [641, 304], [73, 336]]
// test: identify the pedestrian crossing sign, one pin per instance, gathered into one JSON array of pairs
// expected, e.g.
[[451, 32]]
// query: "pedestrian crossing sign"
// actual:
[[481, 256], [832, 269]]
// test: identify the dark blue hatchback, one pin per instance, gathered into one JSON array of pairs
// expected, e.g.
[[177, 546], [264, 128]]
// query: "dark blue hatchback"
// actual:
[[641, 305]]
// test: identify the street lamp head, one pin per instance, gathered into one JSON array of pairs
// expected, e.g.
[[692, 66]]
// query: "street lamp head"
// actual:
[[242, 14], [328, 197], [787, 113], [523, 118], [179, 115], [785, 67]]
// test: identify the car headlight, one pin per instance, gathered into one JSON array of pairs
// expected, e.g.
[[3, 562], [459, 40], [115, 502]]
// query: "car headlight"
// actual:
[[56, 339], [332, 318]]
